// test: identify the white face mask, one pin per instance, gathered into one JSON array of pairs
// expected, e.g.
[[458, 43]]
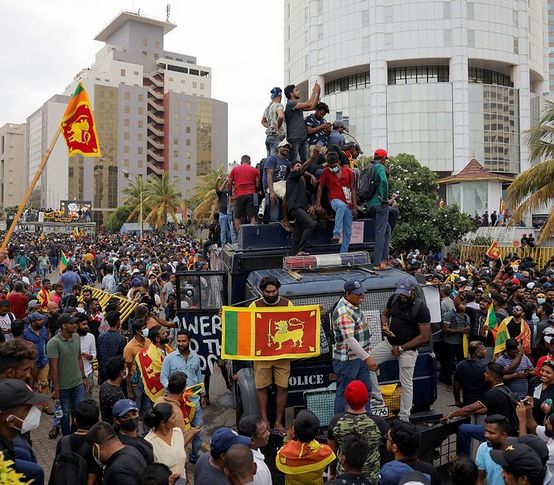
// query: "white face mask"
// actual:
[[145, 332], [31, 421]]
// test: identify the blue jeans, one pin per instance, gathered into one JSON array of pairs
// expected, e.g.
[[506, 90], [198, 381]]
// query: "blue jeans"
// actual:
[[298, 149], [343, 223], [465, 433], [226, 226], [272, 144], [197, 440], [143, 402], [382, 233], [69, 400], [347, 371]]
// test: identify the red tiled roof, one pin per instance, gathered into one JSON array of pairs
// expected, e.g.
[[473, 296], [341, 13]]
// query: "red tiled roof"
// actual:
[[474, 171]]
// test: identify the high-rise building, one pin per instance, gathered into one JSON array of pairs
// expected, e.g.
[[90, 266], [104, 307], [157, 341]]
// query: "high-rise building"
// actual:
[[447, 81], [551, 46], [154, 114], [13, 180]]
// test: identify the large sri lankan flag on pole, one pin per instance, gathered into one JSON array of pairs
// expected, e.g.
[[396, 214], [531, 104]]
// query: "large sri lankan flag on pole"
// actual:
[[265, 333], [78, 127]]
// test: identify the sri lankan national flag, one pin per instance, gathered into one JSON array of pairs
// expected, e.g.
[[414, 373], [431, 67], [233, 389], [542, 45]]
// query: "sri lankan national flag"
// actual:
[[270, 333], [494, 251], [149, 361], [63, 262], [78, 127]]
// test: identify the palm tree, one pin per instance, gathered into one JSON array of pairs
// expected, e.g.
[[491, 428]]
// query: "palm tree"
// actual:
[[534, 187], [205, 201], [164, 199], [136, 198]]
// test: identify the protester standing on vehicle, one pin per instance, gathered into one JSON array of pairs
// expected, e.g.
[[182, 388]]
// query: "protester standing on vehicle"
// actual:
[[379, 206], [273, 120], [351, 354], [265, 372], [296, 129], [406, 324], [244, 180]]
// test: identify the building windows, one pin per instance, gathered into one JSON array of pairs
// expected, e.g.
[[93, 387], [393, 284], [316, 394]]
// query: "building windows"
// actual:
[[447, 10], [144, 54], [139, 150], [418, 75], [123, 73], [126, 122], [175, 140], [136, 73], [176, 167], [202, 86], [348, 83], [194, 84], [486, 76], [188, 157], [139, 136], [126, 162], [141, 111], [126, 96], [127, 109], [175, 153], [140, 123], [126, 149], [187, 129], [187, 142], [140, 164], [470, 10], [365, 18], [144, 42], [125, 136], [157, 44], [471, 38], [447, 35], [516, 45], [141, 97]]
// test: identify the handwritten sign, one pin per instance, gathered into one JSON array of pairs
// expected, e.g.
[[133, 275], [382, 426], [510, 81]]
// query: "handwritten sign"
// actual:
[[205, 329], [357, 236]]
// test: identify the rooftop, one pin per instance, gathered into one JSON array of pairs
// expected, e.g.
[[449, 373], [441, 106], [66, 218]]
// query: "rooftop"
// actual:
[[474, 171], [125, 17]]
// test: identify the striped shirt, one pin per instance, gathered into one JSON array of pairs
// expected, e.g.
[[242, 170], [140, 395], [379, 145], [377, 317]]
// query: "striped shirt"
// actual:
[[348, 321]]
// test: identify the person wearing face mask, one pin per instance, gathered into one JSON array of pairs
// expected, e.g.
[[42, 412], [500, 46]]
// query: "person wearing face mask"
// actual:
[[122, 464], [86, 416], [126, 423], [88, 350], [341, 188], [19, 414], [110, 390], [267, 371], [135, 390]]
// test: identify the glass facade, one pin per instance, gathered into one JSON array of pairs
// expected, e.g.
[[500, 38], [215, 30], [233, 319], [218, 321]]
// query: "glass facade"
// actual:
[[419, 121], [418, 75], [494, 127], [486, 76], [347, 83], [475, 197], [204, 124]]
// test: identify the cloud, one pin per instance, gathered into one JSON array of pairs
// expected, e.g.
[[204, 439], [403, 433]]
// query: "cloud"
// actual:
[[44, 44]]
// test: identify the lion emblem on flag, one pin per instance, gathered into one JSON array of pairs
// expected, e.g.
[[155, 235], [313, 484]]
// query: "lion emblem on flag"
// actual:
[[79, 130], [284, 333]]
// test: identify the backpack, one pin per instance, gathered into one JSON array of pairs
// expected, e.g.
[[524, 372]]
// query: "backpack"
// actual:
[[367, 183], [513, 399], [69, 466]]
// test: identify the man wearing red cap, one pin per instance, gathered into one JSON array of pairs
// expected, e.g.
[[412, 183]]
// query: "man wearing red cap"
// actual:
[[356, 420], [380, 208]]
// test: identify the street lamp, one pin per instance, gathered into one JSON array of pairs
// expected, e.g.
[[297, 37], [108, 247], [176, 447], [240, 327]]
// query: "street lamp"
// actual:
[[126, 175]]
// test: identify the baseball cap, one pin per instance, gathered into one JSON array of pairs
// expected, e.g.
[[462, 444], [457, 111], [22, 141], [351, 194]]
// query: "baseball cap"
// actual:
[[284, 143], [66, 318], [276, 91], [14, 392], [32, 304], [392, 472], [354, 286], [537, 445], [380, 154], [123, 406], [224, 438], [405, 286], [338, 124], [36, 316], [356, 394], [519, 458], [415, 477], [136, 282]]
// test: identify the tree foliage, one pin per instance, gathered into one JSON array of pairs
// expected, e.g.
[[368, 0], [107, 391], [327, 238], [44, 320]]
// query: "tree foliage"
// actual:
[[117, 218], [205, 202], [422, 223]]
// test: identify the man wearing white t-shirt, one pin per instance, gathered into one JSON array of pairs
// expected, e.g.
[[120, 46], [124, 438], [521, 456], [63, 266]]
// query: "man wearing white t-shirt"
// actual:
[[256, 429], [88, 350], [6, 319]]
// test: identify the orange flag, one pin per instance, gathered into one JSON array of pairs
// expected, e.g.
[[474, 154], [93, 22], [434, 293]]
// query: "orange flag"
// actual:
[[78, 127], [494, 251]]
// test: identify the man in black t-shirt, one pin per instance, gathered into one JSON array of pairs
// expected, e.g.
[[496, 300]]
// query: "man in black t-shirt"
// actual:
[[406, 322], [469, 376], [497, 400], [297, 202], [86, 416]]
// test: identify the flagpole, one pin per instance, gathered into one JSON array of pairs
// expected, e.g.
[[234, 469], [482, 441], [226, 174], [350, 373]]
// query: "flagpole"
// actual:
[[25, 200]]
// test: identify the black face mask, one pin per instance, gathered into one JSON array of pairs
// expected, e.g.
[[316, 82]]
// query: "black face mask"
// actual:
[[129, 425]]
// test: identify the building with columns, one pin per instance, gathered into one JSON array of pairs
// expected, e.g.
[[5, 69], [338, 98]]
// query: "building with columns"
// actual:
[[445, 80]]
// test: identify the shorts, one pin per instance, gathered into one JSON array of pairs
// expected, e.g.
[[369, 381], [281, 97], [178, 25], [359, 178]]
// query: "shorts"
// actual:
[[244, 205], [264, 370]]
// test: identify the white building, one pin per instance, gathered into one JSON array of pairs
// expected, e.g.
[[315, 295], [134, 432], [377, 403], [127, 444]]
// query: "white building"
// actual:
[[447, 81], [13, 176]]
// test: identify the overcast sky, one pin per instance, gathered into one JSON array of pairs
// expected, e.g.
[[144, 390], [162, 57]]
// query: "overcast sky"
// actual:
[[44, 43]]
